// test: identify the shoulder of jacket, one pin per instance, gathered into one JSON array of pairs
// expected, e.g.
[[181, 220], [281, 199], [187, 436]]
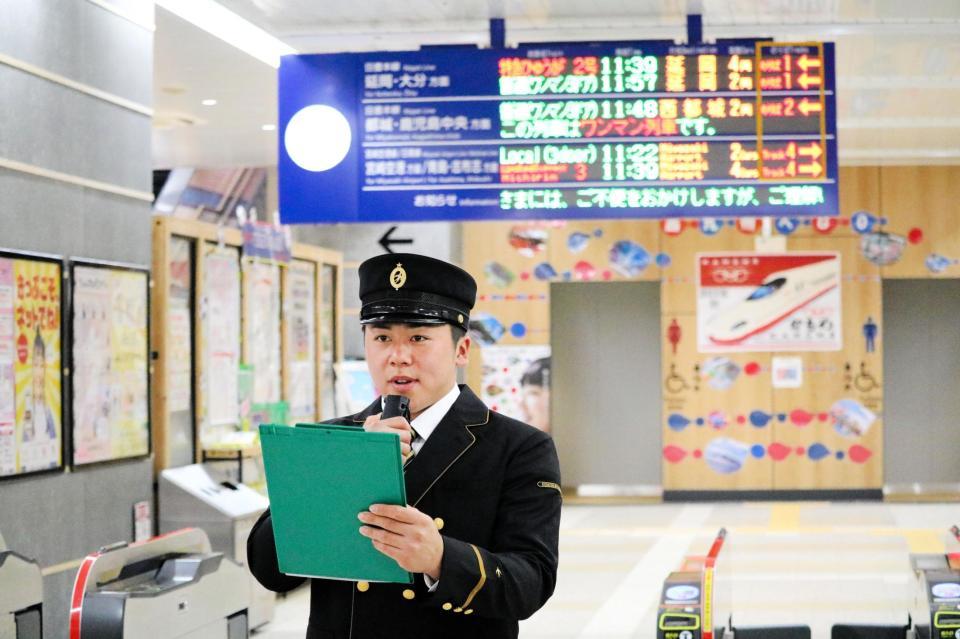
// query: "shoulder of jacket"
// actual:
[[515, 429]]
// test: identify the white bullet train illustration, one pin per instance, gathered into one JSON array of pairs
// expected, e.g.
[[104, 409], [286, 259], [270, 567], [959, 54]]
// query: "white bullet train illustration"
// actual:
[[780, 294]]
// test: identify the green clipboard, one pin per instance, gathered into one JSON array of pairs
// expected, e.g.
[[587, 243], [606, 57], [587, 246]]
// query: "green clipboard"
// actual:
[[349, 427], [319, 479]]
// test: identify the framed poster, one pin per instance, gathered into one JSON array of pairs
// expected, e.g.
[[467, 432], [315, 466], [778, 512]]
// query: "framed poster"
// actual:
[[221, 338], [329, 336], [300, 303], [180, 325], [31, 343], [753, 302], [110, 355], [516, 382], [261, 290]]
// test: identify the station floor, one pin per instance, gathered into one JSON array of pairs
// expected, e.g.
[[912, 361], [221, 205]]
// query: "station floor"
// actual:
[[809, 563]]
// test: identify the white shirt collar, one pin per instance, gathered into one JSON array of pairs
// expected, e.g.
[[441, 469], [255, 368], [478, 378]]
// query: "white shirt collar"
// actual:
[[427, 421]]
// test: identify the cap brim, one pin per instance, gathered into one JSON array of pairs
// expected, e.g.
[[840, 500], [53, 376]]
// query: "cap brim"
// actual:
[[402, 319], [410, 311]]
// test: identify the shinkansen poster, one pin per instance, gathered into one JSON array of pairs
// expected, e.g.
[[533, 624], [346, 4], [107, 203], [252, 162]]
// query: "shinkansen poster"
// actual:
[[30, 383], [749, 302]]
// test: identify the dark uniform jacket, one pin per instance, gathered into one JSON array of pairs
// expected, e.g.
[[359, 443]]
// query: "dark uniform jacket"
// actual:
[[492, 485]]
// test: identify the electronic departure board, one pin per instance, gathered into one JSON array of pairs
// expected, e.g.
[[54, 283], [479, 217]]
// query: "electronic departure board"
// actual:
[[644, 130]]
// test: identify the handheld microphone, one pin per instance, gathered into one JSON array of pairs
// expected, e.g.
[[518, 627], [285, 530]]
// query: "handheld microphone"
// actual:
[[396, 406]]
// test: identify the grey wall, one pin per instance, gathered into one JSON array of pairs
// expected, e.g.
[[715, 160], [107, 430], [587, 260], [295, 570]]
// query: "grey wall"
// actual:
[[60, 517], [605, 395], [921, 381], [358, 242]]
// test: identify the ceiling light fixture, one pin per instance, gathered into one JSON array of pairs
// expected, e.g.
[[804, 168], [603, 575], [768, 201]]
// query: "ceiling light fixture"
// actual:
[[222, 23], [209, 102], [269, 127]]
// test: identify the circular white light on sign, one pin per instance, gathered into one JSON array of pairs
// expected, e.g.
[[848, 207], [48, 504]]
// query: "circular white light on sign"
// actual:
[[317, 138]]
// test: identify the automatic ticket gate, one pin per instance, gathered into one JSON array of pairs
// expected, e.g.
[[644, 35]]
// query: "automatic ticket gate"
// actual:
[[938, 591], [692, 607], [687, 601], [936, 610], [196, 496], [169, 587], [21, 596]]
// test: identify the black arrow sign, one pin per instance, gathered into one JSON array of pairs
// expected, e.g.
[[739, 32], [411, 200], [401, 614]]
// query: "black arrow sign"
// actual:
[[386, 240]]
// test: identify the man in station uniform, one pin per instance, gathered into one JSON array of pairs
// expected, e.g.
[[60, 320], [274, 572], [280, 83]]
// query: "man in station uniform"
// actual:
[[481, 527]]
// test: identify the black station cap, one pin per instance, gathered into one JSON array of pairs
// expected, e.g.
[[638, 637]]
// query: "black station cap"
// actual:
[[415, 289]]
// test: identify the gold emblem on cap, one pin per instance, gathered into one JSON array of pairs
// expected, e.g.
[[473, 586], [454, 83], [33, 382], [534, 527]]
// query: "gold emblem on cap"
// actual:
[[460, 318], [398, 277]]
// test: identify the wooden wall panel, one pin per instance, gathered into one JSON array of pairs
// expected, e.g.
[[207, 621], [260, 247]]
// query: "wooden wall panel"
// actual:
[[802, 415], [506, 286], [924, 200], [532, 314], [859, 190], [679, 290], [489, 243], [589, 243], [701, 421]]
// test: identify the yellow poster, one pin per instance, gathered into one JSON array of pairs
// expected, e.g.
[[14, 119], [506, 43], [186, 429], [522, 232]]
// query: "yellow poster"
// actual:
[[37, 321]]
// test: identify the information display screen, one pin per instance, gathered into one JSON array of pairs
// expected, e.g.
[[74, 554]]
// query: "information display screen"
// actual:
[[644, 130]]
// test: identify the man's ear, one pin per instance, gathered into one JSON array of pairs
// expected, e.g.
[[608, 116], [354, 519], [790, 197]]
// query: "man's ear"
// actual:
[[463, 351]]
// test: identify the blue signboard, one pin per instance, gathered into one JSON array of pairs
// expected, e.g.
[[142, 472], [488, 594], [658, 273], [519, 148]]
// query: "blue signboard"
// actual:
[[643, 130]]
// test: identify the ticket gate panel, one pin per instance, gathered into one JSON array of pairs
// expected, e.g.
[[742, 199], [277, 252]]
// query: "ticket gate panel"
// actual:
[[772, 632], [186, 611], [193, 496], [851, 631], [29, 623], [681, 606], [24, 573], [235, 627], [26, 624], [21, 596], [170, 587], [938, 596]]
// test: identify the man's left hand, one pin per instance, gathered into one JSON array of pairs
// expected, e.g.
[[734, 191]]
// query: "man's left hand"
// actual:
[[406, 535]]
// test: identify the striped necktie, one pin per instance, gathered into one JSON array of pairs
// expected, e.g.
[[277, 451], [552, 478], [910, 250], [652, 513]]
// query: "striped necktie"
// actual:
[[414, 436]]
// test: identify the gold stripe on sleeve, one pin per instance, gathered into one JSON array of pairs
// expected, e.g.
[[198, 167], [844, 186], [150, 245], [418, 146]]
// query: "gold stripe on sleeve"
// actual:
[[483, 578], [550, 484]]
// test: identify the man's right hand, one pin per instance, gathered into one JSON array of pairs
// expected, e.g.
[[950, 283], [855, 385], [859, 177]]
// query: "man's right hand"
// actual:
[[396, 425]]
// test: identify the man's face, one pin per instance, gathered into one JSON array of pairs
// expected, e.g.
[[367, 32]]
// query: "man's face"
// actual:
[[417, 361]]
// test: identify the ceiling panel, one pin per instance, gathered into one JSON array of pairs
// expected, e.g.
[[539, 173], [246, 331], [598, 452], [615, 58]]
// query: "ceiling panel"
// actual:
[[898, 63]]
